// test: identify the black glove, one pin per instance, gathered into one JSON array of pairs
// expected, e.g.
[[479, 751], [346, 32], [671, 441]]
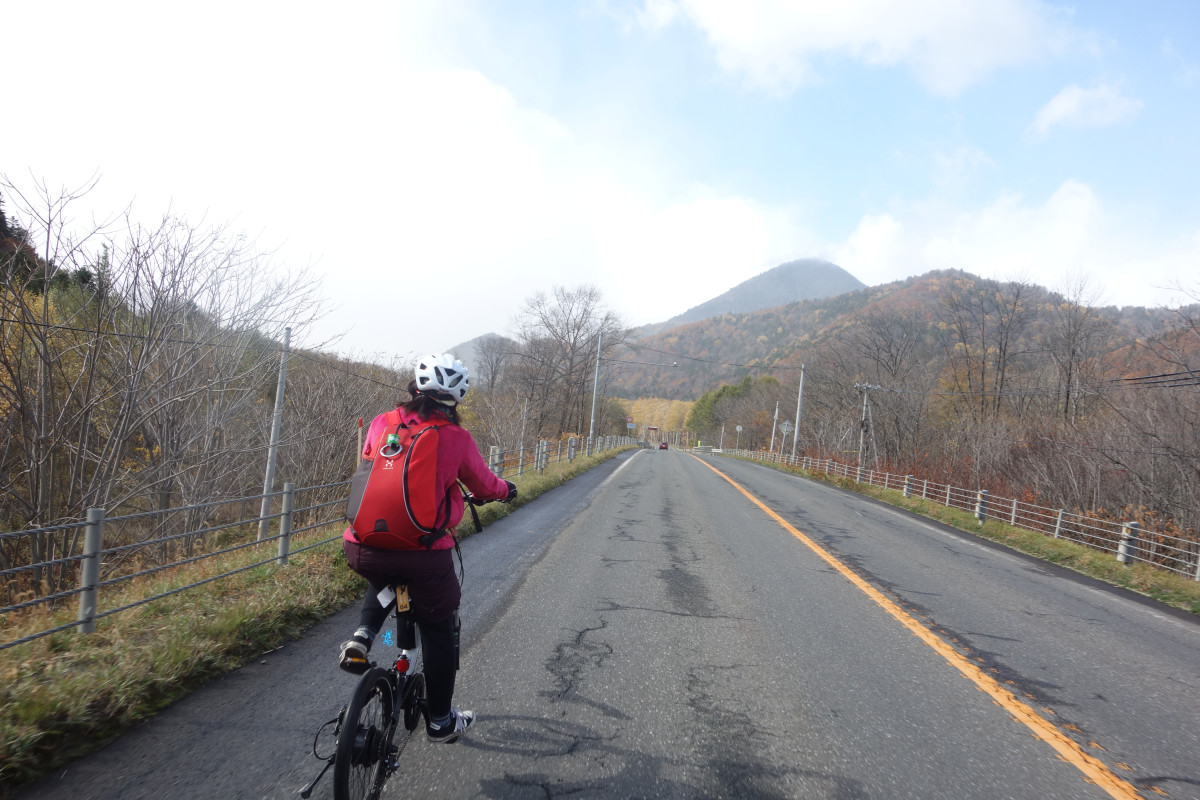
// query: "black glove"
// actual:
[[512, 492]]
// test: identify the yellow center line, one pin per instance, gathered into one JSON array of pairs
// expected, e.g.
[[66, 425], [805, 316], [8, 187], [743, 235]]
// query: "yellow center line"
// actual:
[[1093, 769]]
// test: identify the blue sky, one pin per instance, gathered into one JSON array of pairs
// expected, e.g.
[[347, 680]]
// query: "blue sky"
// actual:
[[662, 150]]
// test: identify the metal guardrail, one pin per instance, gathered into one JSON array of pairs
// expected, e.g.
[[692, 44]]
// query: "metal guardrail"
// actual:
[[98, 567], [94, 555], [538, 456], [1125, 540]]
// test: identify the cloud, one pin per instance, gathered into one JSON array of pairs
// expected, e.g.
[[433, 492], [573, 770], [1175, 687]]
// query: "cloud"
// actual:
[[1071, 233], [1085, 108], [1187, 73], [503, 199], [948, 44]]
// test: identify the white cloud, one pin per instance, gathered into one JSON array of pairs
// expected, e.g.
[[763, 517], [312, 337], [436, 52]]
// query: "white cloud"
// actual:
[[948, 44], [1187, 73], [1069, 234], [1085, 108], [508, 200], [877, 251]]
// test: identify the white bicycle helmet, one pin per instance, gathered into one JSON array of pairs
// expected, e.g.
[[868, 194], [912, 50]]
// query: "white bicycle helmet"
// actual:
[[442, 377]]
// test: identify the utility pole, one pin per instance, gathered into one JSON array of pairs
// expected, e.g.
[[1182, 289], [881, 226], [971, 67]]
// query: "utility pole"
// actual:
[[773, 421], [264, 517], [862, 424], [866, 388], [799, 402], [595, 388]]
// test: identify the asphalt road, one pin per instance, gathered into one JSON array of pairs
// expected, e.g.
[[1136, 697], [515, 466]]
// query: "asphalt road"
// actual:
[[652, 630]]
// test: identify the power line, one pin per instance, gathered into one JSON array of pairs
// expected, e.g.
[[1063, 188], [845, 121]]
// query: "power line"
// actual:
[[1188, 377]]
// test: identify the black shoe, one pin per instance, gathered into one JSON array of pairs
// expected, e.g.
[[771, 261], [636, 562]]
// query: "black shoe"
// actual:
[[460, 722], [353, 657]]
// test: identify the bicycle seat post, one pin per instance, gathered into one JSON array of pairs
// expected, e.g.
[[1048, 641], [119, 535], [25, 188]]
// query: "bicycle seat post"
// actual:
[[406, 630]]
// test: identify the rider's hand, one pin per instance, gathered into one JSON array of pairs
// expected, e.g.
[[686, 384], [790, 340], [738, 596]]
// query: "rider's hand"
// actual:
[[512, 492]]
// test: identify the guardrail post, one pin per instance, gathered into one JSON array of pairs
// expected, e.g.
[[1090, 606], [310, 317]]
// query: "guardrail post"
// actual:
[[947, 495], [858, 476], [285, 524], [570, 448], [1058, 525], [925, 489], [1127, 549], [495, 463], [90, 573], [908, 485], [559, 459], [1013, 519], [981, 503]]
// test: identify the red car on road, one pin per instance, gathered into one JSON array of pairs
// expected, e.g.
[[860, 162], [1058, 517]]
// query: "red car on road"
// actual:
[[662, 445]]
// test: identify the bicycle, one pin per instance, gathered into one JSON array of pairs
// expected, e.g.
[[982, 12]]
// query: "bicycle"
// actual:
[[366, 754]]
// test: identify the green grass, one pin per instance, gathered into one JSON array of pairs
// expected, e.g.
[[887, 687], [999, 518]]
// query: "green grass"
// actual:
[[1167, 587], [68, 693]]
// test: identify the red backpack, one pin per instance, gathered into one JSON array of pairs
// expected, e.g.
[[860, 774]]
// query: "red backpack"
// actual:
[[395, 502]]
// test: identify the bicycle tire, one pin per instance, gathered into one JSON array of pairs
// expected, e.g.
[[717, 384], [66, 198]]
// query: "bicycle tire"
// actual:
[[414, 703], [360, 763]]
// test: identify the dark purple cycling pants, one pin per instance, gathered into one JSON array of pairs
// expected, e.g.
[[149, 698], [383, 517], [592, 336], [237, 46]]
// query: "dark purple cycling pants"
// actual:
[[434, 595]]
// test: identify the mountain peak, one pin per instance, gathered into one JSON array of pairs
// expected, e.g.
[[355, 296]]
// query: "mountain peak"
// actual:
[[803, 279]]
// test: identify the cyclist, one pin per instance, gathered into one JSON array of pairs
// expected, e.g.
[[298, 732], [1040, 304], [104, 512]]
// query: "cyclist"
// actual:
[[439, 385]]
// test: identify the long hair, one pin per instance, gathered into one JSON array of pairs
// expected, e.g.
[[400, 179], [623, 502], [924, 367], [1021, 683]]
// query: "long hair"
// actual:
[[424, 406]]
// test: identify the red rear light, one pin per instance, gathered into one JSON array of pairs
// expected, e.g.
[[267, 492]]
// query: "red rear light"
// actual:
[[402, 665]]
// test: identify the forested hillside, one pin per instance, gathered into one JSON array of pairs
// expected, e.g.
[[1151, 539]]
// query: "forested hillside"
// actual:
[[999, 385], [728, 347]]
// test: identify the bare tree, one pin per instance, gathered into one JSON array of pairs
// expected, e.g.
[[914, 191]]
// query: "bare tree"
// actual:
[[1075, 341], [492, 355], [140, 375], [558, 335]]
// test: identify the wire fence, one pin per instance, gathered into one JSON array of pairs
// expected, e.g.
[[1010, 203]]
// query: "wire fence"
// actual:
[[1124, 539], [103, 552]]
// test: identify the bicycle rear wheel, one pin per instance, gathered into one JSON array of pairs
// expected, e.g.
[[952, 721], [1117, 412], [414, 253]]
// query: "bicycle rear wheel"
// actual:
[[414, 705], [360, 764]]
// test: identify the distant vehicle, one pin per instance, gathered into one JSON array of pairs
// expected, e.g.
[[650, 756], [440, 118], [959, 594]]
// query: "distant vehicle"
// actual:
[[662, 445]]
